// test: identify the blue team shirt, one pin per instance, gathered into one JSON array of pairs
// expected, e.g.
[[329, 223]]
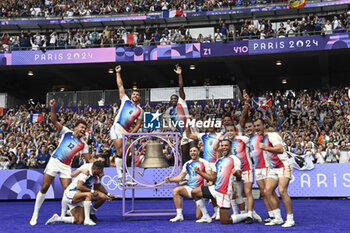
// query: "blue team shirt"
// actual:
[[195, 180], [208, 144], [128, 113], [68, 146]]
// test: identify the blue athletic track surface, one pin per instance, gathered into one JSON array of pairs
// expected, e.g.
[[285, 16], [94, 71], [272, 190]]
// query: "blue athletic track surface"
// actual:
[[310, 216]]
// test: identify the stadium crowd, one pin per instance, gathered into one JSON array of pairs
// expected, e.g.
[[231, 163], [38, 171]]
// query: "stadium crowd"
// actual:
[[119, 36], [309, 121], [83, 8]]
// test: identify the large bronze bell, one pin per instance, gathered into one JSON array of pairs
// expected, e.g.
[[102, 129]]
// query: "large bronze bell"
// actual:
[[154, 157]]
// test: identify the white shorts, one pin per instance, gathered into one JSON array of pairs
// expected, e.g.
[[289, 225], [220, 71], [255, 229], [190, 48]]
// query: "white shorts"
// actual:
[[188, 189], [261, 173], [223, 200], [117, 132], [55, 166], [212, 166], [67, 199], [248, 176], [276, 173]]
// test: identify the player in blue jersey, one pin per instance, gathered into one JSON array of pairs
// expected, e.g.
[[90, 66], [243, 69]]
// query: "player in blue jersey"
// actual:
[[178, 114], [70, 143], [79, 195], [129, 112], [194, 181], [208, 140], [261, 164], [240, 149], [105, 196], [279, 174], [226, 168]]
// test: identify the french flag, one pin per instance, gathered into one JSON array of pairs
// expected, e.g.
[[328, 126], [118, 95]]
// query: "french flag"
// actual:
[[36, 118]]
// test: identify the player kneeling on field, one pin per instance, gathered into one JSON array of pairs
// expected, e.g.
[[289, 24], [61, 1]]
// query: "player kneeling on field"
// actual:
[[79, 195], [194, 181]]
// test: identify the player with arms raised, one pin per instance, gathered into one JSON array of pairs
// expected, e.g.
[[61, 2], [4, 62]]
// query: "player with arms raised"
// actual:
[[71, 142], [129, 112]]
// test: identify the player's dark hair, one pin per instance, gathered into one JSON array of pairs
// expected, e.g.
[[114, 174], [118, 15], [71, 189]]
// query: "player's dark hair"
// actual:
[[138, 91], [195, 146], [249, 121], [103, 156], [175, 96], [225, 140], [227, 114], [231, 125], [262, 121], [80, 122], [98, 164]]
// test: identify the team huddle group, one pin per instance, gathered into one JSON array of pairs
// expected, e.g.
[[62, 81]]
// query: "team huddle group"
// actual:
[[224, 174]]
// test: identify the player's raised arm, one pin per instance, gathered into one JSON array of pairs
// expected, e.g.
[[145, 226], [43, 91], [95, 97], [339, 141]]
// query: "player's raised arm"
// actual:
[[120, 81], [54, 117], [178, 70], [191, 135], [244, 114]]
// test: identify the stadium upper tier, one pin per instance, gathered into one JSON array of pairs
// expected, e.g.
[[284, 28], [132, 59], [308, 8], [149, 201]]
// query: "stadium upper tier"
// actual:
[[98, 10], [137, 36], [48, 8]]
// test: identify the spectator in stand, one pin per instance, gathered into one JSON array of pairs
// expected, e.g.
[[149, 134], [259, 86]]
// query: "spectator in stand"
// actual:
[[43, 157], [332, 154], [218, 37], [224, 32], [21, 162], [35, 45], [163, 40], [53, 39], [281, 32], [335, 23], [5, 41], [290, 30], [4, 163], [157, 37]]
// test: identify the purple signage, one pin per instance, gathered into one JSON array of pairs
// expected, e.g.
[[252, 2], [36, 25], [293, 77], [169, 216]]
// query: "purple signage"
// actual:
[[66, 56], [297, 44], [225, 49], [178, 51], [160, 52], [325, 180], [26, 183]]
